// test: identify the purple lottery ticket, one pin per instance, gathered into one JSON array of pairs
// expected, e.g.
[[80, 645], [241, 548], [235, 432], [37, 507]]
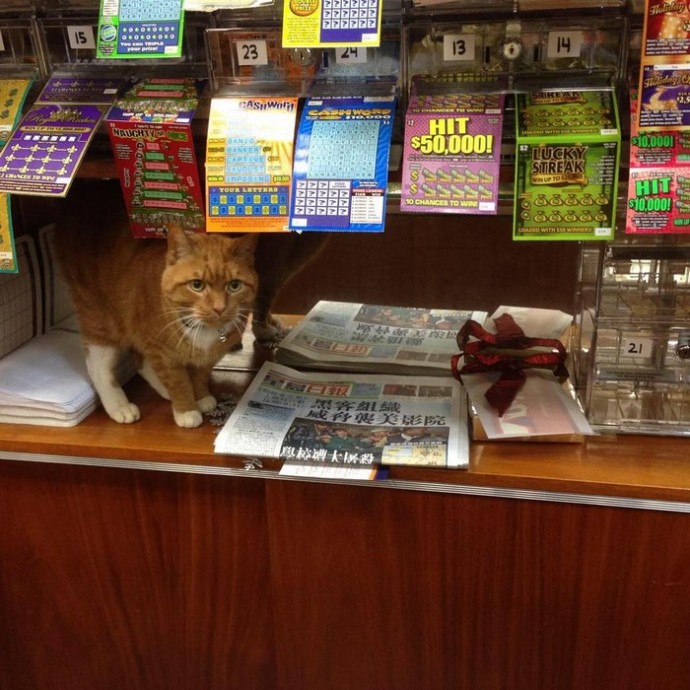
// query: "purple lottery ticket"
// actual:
[[452, 153], [44, 152], [80, 90]]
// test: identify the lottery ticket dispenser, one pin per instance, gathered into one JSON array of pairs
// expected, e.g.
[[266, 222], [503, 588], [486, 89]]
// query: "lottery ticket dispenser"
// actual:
[[19, 45], [68, 33]]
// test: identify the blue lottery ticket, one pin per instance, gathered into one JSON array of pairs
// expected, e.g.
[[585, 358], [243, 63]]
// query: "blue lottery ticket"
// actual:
[[340, 173]]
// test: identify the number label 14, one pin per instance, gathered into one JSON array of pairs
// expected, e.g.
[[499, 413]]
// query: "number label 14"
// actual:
[[564, 44]]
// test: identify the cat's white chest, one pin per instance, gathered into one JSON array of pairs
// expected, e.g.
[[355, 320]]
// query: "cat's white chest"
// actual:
[[204, 338]]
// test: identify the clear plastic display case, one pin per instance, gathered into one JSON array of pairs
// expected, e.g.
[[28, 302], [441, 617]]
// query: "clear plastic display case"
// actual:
[[632, 342]]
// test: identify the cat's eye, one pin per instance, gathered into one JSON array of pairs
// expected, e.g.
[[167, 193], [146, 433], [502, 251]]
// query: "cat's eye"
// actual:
[[234, 285], [196, 284]]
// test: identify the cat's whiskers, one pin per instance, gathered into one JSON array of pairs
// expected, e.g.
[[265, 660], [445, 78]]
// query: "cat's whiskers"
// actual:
[[239, 323], [193, 334], [174, 322]]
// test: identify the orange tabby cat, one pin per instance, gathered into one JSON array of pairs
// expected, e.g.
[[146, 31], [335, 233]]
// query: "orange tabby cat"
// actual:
[[178, 305]]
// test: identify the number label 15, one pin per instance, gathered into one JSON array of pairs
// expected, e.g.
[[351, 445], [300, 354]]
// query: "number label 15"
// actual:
[[81, 37]]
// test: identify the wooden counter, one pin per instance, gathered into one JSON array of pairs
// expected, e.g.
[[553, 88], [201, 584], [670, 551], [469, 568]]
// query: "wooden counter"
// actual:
[[134, 557], [609, 465]]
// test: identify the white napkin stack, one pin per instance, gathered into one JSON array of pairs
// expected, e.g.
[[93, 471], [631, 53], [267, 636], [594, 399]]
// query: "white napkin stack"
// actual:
[[45, 382]]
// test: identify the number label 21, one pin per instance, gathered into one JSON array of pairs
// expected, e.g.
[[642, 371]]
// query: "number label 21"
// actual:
[[637, 347]]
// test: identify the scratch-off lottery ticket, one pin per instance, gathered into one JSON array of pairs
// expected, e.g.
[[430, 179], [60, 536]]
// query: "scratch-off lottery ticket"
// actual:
[[8, 258], [452, 149], [331, 23], [664, 91], [140, 29], [658, 181], [566, 170], [340, 174], [44, 152], [249, 150], [12, 95], [67, 89], [153, 145]]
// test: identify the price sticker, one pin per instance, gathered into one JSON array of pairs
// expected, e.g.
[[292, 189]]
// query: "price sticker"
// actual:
[[458, 47], [350, 56], [564, 44], [81, 37], [253, 53], [636, 347]]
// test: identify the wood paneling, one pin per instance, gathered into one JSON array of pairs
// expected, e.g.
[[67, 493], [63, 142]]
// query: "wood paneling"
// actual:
[[630, 465], [409, 590], [466, 262], [120, 579], [443, 261]]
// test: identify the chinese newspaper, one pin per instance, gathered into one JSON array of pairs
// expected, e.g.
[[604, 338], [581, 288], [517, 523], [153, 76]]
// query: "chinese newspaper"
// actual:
[[378, 339], [350, 419]]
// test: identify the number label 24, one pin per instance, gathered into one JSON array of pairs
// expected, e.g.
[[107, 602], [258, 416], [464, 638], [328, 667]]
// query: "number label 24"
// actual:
[[355, 55]]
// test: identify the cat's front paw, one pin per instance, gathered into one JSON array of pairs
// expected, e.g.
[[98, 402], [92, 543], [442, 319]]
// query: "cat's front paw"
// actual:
[[188, 419], [207, 404], [125, 414], [267, 331]]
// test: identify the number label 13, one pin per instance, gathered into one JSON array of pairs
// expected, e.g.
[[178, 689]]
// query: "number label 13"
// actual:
[[458, 47]]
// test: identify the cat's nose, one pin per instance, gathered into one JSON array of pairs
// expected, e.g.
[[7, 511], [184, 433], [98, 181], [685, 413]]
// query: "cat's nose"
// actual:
[[218, 305]]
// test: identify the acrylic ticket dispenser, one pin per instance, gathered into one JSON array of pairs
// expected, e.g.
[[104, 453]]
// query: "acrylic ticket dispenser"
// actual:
[[632, 337], [368, 71], [68, 30], [245, 55], [19, 44], [519, 46], [245, 52], [631, 344], [515, 46], [252, 60]]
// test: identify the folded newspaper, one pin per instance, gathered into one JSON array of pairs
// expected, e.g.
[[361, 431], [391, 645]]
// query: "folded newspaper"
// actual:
[[349, 419], [346, 336]]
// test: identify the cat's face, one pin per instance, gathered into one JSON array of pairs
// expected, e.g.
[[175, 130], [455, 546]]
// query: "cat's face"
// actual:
[[209, 285]]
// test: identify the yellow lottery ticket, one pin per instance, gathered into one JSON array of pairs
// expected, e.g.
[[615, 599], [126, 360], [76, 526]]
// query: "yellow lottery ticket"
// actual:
[[8, 259]]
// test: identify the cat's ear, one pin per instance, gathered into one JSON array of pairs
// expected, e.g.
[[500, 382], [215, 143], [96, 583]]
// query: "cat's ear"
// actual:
[[179, 244], [245, 246]]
